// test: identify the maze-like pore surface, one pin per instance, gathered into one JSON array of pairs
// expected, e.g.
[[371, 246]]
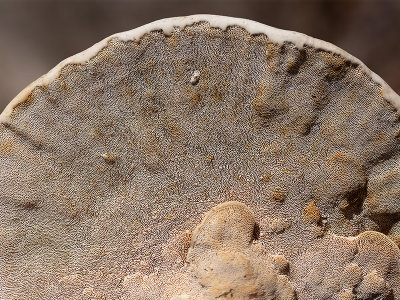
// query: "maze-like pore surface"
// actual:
[[109, 163]]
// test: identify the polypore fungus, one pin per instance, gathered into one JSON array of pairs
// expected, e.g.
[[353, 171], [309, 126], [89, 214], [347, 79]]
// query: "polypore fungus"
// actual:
[[109, 161]]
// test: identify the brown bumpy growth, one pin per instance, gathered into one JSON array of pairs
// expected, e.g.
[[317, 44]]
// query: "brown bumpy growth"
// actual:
[[227, 263]]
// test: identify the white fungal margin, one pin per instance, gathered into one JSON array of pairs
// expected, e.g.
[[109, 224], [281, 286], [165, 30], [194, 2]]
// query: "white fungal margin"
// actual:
[[168, 25]]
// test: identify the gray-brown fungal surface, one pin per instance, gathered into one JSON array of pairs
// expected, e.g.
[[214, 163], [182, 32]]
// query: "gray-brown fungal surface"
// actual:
[[287, 145]]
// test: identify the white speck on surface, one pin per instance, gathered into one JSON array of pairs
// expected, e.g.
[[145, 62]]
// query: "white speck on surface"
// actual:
[[195, 77]]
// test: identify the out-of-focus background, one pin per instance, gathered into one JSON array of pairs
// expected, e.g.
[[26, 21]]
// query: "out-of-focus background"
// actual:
[[37, 34]]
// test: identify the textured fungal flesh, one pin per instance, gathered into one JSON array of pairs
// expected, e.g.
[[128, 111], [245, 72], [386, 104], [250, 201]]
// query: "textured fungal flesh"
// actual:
[[109, 161]]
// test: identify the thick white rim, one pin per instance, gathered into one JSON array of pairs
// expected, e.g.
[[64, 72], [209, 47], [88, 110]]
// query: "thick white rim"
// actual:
[[167, 26]]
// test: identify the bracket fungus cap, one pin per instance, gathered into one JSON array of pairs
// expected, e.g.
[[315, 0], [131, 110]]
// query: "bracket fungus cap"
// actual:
[[108, 162]]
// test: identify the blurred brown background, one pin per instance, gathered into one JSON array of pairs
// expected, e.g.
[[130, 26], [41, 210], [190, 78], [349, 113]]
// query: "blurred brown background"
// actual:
[[36, 34]]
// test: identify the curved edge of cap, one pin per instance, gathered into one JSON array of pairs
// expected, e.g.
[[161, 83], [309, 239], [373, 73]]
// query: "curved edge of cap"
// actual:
[[169, 24]]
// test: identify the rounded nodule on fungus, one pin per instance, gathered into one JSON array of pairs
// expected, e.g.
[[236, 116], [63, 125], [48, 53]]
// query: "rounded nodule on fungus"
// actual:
[[229, 225]]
